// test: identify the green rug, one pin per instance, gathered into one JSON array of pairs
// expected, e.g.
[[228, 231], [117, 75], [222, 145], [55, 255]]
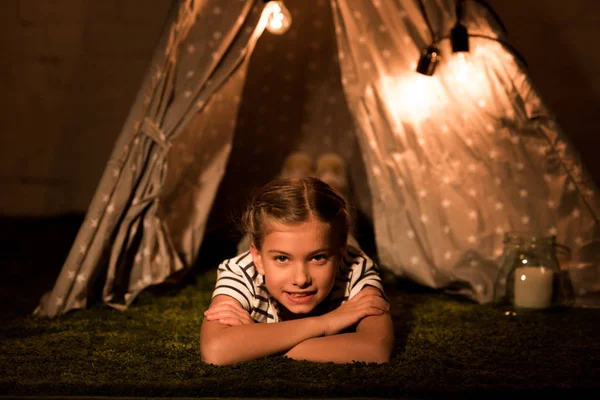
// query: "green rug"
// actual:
[[445, 346]]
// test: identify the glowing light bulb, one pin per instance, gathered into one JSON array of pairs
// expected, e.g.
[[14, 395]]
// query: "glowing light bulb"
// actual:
[[462, 67], [466, 73], [280, 18], [413, 97]]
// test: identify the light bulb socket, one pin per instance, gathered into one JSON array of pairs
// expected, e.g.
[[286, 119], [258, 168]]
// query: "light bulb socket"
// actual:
[[428, 61], [459, 37]]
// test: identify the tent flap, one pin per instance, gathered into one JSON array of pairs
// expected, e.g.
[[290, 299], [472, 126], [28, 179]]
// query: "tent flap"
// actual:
[[457, 159], [443, 166]]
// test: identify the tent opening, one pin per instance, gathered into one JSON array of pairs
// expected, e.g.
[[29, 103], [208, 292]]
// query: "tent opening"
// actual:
[[441, 167]]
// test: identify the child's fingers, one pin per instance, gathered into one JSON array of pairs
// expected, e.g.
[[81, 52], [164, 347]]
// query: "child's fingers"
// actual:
[[225, 307], [365, 293], [221, 314], [372, 309], [371, 306], [234, 312], [234, 321], [243, 318], [226, 319], [378, 303], [228, 305], [231, 321], [370, 301], [381, 304]]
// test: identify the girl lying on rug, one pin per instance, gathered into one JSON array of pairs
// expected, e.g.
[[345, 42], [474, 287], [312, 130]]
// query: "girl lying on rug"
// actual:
[[301, 290]]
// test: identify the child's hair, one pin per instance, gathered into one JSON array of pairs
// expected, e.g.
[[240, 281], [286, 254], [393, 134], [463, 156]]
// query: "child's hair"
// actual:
[[293, 201]]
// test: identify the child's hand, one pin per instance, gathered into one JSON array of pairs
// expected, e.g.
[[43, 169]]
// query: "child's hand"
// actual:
[[228, 313], [368, 301]]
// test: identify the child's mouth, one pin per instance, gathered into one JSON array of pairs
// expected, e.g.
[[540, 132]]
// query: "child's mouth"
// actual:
[[300, 297]]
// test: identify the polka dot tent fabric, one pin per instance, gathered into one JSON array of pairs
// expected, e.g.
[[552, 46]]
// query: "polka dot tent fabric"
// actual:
[[134, 235], [442, 166], [457, 159], [293, 100]]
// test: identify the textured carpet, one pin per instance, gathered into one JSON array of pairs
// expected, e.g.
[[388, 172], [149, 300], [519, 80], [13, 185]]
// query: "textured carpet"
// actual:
[[445, 346]]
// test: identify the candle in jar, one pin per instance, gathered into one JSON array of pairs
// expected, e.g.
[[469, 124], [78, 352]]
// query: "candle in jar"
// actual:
[[533, 287]]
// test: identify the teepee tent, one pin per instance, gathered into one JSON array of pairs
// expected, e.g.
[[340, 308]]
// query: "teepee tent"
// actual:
[[443, 165]]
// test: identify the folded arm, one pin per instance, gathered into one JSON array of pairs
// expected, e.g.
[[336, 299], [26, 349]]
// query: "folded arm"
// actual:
[[236, 339], [372, 341], [228, 335]]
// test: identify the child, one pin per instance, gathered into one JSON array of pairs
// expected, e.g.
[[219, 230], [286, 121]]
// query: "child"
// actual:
[[301, 290]]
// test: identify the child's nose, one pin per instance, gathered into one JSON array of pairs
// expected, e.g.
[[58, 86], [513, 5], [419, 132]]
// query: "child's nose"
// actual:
[[301, 276]]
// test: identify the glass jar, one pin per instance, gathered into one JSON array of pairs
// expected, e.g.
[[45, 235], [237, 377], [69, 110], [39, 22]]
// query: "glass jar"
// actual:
[[530, 276]]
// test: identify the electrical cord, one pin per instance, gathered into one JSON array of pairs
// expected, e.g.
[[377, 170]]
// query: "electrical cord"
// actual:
[[490, 10], [459, 6], [458, 10], [504, 43], [434, 37], [459, 15]]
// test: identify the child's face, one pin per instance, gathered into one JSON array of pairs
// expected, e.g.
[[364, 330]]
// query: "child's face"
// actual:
[[299, 263]]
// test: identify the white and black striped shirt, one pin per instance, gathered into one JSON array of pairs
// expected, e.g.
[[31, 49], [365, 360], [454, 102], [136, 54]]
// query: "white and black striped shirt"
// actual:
[[238, 278]]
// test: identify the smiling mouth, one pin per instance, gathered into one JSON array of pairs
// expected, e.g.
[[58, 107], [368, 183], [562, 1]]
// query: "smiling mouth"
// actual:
[[300, 297], [300, 294]]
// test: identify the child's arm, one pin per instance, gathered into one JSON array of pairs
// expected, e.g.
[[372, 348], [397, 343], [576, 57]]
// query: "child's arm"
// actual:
[[239, 339], [372, 342], [373, 339], [222, 343]]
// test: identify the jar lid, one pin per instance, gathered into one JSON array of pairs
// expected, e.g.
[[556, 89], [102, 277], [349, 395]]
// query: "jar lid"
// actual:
[[529, 238]]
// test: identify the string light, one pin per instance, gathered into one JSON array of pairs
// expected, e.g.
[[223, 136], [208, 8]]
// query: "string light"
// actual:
[[428, 61], [461, 68], [430, 56], [413, 97], [280, 19], [459, 39]]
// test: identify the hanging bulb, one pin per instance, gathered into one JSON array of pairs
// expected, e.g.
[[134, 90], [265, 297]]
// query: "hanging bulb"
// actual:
[[467, 75], [461, 68], [413, 97], [428, 61], [280, 18], [459, 37], [460, 64]]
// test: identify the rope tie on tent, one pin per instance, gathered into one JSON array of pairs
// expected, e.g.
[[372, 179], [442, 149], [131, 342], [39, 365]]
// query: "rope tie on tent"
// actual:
[[150, 129]]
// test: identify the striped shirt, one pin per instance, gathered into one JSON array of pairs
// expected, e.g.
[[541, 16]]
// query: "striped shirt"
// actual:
[[238, 278]]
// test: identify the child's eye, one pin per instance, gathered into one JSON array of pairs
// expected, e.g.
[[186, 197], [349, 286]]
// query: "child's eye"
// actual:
[[320, 258], [280, 259]]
